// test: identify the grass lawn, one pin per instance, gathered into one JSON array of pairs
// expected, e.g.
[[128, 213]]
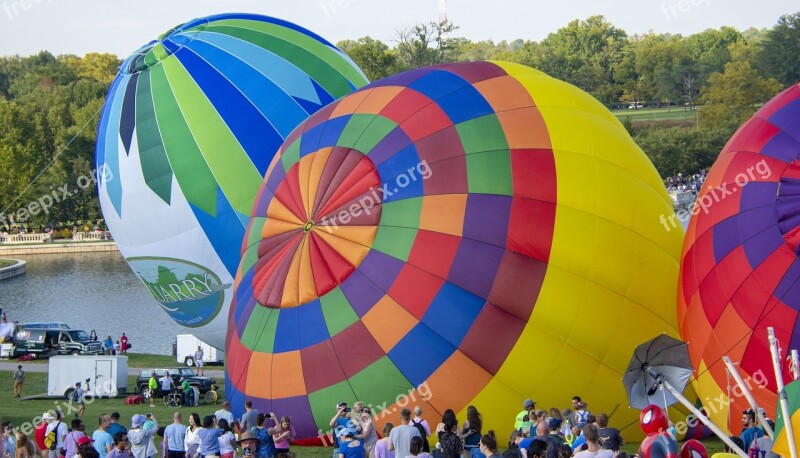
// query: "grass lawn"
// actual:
[[20, 412], [6, 263], [146, 361], [654, 114], [139, 360]]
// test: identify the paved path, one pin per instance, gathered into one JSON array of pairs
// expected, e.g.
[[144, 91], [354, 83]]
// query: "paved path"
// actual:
[[216, 374]]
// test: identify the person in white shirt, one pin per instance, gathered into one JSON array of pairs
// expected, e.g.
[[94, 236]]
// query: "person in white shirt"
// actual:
[[225, 413], [166, 386], [400, 437], [198, 360], [55, 423], [594, 450], [227, 441]]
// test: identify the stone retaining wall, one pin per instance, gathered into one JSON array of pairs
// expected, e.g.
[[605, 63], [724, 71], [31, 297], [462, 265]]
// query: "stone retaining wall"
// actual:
[[55, 248], [13, 271]]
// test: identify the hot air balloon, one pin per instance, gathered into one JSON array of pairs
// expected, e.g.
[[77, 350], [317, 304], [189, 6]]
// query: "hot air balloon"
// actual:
[[189, 126], [739, 270], [473, 233]]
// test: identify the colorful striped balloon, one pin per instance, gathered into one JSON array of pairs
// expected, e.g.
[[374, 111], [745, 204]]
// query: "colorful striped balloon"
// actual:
[[189, 127], [474, 233], [740, 272]]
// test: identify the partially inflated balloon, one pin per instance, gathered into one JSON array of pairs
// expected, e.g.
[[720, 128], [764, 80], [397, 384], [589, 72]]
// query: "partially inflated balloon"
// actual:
[[474, 233], [740, 271], [189, 127]]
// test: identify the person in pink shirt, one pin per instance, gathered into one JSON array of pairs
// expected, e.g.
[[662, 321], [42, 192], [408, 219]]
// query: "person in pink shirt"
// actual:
[[71, 441], [284, 437], [382, 446]]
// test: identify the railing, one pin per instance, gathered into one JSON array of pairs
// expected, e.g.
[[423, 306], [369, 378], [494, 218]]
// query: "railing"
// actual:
[[12, 239], [93, 235], [681, 199], [17, 239]]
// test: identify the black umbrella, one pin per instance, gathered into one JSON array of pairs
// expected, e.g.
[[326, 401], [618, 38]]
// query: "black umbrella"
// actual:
[[654, 362]]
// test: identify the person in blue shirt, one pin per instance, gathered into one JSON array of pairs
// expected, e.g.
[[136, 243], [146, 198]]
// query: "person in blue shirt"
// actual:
[[266, 445], [208, 434], [174, 437], [524, 445], [108, 345], [103, 442], [339, 422], [115, 427], [350, 447], [751, 432]]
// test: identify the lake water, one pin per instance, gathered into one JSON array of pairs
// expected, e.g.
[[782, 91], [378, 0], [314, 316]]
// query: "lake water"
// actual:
[[89, 291]]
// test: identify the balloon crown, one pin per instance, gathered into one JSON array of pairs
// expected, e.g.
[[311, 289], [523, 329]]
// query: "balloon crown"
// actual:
[[167, 44]]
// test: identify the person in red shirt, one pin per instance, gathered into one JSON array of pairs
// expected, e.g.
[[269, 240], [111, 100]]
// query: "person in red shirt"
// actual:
[[123, 344], [40, 430]]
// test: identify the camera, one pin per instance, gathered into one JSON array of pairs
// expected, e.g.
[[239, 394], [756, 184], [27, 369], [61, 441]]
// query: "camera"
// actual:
[[346, 410], [247, 451]]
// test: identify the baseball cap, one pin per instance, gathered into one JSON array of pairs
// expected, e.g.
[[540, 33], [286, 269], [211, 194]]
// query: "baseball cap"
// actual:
[[137, 421], [528, 403], [115, 415], [84, 440], [47, 416], [346, 431]]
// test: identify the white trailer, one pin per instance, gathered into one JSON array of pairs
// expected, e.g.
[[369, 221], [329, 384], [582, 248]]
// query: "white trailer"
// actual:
[[186, 347], [107, 375]]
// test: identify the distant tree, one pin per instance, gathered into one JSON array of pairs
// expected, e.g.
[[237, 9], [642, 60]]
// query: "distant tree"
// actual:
[[678, 149], [780, 50], [49, 117], [469, 51], [426, 44], [586, 53], [99, 67], [731, 97], [374, 57], [709, 51], [522, 52]]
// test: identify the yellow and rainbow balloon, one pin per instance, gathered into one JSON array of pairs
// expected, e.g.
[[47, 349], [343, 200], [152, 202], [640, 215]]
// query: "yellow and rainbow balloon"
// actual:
[[474, 233]]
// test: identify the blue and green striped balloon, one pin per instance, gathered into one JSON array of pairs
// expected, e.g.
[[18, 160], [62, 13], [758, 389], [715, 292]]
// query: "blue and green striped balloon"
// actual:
[[189, 127]]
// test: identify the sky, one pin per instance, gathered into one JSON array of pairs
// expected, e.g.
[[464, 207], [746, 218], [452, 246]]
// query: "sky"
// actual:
[[122, 26]]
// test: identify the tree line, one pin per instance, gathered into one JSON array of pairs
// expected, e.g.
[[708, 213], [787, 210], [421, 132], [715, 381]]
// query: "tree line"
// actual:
[[49, 105]]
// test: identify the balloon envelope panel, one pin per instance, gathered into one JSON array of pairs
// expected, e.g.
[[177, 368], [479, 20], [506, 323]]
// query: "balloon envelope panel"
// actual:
[[190, 125], [740, 270], [473, 233]]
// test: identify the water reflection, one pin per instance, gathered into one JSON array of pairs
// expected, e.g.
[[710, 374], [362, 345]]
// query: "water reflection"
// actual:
[[89, 291]]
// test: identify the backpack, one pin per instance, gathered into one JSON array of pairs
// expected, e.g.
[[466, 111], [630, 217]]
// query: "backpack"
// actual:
[[581, 418], [426, 447], [51, 439]]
